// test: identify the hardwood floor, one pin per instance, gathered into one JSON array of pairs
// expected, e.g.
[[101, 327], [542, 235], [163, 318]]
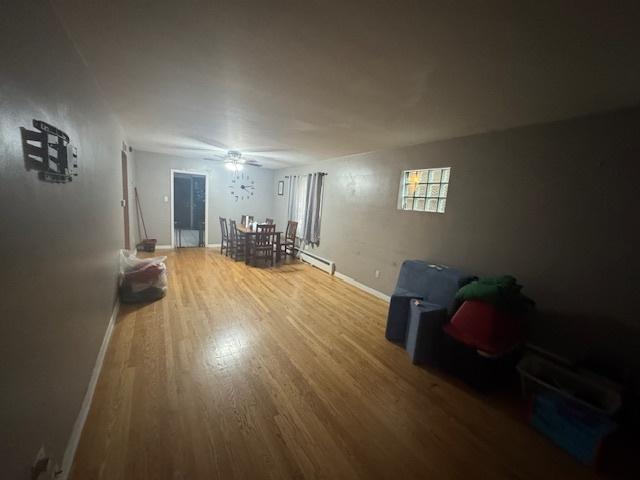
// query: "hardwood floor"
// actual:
[[245, 373]]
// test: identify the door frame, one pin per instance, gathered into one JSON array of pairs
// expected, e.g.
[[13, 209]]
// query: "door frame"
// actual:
[[125, 200], [206, 203]]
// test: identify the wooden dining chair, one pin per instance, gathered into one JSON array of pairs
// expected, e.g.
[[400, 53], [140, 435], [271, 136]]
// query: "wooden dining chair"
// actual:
[[244, 218], [237, 242], [262, 244], [224, 236], [266, 227], [288, 246]]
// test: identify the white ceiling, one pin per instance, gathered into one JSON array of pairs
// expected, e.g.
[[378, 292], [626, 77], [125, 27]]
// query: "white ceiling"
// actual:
[[305, 80]]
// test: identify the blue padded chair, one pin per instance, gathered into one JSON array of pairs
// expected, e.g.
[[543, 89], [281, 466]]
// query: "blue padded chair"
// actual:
[[424, 332], [436, 285]]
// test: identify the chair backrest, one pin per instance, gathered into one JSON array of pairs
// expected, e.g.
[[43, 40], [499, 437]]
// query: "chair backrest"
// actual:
[[436, 283], [250, 218], [223, 228], [243, 219], [292, 227], [264, 235], [233, 230], [269, 221], [266, 227]]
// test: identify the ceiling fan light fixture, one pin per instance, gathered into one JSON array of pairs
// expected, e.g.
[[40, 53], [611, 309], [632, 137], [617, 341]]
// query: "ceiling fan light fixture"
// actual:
[[233, 166]]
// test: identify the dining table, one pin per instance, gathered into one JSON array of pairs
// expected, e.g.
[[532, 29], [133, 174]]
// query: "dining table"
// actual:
[[249, 231]]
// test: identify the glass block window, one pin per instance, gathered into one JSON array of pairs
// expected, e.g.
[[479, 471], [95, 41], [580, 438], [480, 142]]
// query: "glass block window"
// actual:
[[425, 190]]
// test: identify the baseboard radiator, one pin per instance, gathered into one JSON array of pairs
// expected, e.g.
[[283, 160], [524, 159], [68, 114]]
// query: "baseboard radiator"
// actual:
[[328, 266]]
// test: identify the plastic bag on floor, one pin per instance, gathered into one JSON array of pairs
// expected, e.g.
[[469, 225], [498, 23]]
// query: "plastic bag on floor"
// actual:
[[147, 295], [141, 279], [130, 263]]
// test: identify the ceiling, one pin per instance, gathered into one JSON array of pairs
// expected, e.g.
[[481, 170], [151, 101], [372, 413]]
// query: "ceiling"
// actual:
[[303, 80]]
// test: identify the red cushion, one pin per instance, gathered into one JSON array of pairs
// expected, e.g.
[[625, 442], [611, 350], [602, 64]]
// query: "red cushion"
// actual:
[[485, 327]]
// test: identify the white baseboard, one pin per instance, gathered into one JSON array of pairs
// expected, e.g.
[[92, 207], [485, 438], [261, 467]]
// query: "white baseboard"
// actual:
[[213, 245], [328, 266], [74, 439], [363, 287]]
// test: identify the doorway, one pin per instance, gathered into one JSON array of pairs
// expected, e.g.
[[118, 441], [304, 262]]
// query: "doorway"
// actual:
[[125, 200], [189, 199]]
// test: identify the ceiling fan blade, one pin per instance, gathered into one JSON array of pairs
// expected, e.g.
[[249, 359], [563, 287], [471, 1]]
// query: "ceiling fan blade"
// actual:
[[264, 150], [247, 161], [271, 156], [276, 159]]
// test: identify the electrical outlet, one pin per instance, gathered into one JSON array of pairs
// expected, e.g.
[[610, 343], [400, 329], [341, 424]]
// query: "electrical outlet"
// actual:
[[377, 273]]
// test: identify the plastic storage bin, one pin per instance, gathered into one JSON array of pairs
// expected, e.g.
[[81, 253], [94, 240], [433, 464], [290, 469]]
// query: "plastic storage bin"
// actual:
[[538, 375], [578, 429]]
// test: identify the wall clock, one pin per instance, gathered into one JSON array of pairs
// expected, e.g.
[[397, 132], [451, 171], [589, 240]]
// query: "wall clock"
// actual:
[[242, 187]]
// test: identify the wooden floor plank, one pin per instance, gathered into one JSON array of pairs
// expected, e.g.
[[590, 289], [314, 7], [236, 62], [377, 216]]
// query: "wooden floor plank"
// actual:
[[245, 373]]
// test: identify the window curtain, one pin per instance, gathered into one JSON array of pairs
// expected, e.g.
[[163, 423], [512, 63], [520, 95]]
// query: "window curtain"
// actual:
[[305, 206], [313, 209], [297, 199]]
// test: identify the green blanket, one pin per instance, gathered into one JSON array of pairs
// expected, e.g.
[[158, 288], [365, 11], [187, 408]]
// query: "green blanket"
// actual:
[[502, 291]]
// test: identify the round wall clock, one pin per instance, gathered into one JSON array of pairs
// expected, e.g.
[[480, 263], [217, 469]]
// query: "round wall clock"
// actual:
[[242, 187]]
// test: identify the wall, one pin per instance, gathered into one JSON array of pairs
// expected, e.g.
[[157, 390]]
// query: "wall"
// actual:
[[58, 243], [153, 179], [554, 205]]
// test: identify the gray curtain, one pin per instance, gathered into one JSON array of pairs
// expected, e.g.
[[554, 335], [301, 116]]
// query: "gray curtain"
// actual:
[[313, 209], [305, 206]]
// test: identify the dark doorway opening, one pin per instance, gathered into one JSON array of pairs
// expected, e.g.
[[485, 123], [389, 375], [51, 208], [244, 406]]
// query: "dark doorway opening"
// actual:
[[189, 206], [125, 200]]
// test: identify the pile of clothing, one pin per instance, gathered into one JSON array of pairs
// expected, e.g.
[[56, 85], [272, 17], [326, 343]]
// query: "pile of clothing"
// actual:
[[142, 280], [502, 291], [490, 319]]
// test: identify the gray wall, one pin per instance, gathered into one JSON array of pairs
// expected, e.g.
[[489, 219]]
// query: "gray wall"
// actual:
[[58, 243], [555, 205], [153, 179]]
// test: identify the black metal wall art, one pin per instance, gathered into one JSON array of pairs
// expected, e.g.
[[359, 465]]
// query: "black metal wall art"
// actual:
[[48, 150]]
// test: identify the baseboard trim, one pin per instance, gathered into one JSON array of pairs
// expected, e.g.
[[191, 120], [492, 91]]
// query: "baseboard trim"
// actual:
[[363, 287], [74, 439], [163, 247], [323, 264], [213, 245]]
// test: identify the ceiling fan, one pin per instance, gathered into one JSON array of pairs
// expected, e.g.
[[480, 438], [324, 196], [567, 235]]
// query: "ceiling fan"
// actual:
[[217, 151], [233, 160]]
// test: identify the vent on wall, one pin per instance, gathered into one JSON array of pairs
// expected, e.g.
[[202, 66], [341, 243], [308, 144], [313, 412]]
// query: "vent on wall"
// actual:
[[328, 266]]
